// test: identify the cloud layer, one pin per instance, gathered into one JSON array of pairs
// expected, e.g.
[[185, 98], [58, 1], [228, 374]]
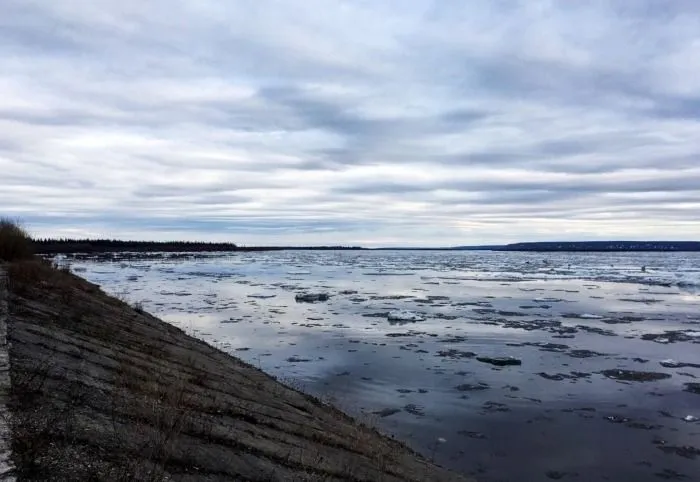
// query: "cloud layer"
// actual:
[[370, 122]]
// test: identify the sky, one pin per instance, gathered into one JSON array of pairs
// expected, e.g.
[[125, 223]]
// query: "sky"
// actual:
[[362, 122]]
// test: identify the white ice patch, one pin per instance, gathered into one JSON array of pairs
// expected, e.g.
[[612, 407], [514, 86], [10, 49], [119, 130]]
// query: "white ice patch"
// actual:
[[690, 418], [589, 316], [405, 315]]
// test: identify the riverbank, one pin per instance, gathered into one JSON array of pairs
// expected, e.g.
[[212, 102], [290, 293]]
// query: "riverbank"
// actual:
[[104, 391]]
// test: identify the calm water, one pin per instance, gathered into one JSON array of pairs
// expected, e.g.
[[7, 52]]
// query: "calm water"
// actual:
[[572, 320]]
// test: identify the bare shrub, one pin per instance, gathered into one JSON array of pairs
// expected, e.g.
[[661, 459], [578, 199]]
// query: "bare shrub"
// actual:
[[15, 242]]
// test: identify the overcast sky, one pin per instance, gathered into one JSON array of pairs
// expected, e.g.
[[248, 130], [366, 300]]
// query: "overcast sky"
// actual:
[[356, 122]]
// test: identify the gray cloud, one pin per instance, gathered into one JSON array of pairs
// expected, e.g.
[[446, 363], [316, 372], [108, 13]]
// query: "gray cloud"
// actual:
[[425, 122]]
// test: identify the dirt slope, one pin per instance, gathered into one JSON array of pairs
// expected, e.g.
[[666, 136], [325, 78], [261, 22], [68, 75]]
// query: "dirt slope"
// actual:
[[101, 391]]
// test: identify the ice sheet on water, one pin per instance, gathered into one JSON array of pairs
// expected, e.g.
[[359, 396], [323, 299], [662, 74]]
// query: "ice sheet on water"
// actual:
[[405, 315]]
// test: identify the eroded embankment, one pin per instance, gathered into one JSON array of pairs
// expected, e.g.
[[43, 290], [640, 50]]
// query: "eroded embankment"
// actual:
[[102, 391]]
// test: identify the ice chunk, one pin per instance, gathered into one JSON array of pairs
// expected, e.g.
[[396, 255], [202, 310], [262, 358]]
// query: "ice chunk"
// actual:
[[690, 418], [404, 315], [311, 297], [670, 363], [500, 361]]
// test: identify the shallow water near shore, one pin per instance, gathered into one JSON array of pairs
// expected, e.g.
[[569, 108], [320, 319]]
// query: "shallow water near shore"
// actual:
[[590, 400]]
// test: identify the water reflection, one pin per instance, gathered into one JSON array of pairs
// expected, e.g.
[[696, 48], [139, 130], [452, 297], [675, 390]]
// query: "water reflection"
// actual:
[[567, 318]]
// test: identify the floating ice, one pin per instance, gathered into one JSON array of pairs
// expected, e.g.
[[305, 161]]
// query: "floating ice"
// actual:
[[500, 361], [311, 297], [690, 418], [670, 363], [404, 315], [590, 316]]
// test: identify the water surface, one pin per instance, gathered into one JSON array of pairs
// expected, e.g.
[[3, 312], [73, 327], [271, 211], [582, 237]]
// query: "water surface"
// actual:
[[572, 320]]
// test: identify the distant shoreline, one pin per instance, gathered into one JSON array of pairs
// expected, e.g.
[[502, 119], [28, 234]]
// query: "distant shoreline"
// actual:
[[53, 247], [50, 246], [605, 246]]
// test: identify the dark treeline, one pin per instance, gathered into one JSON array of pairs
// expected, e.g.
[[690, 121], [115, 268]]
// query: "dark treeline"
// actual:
[[56, 246], [604, 246], [69, 246]]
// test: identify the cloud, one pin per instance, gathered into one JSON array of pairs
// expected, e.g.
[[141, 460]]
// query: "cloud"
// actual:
[[420, 123]]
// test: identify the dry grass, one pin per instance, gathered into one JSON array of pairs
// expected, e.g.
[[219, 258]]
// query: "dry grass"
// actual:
[[15, 242]]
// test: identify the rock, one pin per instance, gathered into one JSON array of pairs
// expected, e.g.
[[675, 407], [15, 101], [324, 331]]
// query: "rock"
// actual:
[[635, 376], [311, 297], [404, 316], [500, 361]]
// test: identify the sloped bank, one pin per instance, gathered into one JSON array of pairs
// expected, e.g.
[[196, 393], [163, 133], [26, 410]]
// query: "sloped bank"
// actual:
[[102, 391]]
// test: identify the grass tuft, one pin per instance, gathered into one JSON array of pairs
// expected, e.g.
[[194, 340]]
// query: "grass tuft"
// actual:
[[15, 242]]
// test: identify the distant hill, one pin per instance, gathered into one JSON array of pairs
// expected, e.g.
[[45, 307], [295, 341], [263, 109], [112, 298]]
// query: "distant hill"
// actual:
[[604, 246]]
